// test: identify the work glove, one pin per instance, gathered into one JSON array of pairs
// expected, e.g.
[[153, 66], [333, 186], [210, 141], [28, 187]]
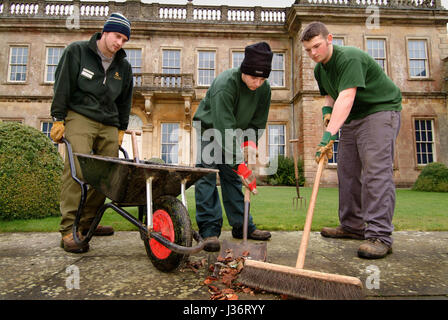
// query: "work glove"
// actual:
[[325, 147], [249, 151], [57, 131], [120, 137], [247, 177], [326, 114]]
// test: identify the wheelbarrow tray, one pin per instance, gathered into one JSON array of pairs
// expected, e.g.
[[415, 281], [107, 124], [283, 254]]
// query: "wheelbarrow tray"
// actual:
[[124, 181]]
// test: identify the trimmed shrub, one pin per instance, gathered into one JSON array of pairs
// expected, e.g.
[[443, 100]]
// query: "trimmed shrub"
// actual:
[[434, 177], [30, 173], [285, 173]]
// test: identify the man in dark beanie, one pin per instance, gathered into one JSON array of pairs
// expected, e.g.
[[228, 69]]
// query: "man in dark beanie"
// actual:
[[237, 102], [91, 106]]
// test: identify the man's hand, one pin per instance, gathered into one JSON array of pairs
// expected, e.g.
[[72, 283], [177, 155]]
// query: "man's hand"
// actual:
[[326, 114], [325, 147], [120, 137], [247, 177], [57, 131], [249, 151]]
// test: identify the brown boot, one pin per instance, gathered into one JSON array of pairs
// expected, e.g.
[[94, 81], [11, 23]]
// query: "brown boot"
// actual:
[[374, 249], [339, 232], [69, 244], [101, 231], [212, 244]]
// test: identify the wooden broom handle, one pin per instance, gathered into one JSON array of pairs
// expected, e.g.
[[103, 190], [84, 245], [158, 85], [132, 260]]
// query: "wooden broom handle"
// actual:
[[134, 143], [309, 216]]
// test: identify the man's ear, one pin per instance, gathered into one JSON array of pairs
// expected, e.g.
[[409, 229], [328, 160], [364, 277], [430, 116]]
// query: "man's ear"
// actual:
[[330, 38]]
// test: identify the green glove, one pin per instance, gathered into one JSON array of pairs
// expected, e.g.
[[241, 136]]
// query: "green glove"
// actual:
[[325, 147], [326, 114]]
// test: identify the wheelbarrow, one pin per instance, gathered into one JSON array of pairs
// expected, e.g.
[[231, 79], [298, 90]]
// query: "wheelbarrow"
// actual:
[[152, 187]]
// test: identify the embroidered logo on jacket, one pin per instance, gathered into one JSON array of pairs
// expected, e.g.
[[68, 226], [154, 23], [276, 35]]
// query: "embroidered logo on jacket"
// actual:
[[117, 76]]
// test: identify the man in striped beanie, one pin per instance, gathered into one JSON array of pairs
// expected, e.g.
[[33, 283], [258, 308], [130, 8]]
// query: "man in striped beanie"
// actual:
[[91, 105], [118, 23]]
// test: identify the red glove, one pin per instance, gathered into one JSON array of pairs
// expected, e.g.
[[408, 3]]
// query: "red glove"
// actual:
[[247, 177]]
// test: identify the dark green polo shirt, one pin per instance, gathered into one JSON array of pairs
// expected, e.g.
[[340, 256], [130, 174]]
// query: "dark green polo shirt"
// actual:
[[230, 104], [351, 67]]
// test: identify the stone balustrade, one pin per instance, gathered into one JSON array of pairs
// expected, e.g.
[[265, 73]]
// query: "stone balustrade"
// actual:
[[163, 81], [403, 4], [189, 12]]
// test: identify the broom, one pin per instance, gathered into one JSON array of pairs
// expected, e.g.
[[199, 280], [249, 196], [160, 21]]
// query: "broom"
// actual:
[[298, 282]]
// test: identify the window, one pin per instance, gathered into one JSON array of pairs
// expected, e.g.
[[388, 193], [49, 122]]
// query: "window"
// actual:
[[334, 159], [134, 57], [276, 140], [45, 127], [424, 141], [277, 76], [418, 59], [206, 68], [171, 65], [170, 142], [53, 56], [377, 49], [237, 58], [18, 61], [338, 41]]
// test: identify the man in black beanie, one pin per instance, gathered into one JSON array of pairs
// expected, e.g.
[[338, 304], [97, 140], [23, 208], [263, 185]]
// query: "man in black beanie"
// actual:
[[237, 101]]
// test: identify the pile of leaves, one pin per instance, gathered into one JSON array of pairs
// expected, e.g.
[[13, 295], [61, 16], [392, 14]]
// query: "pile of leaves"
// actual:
[[223, 283]]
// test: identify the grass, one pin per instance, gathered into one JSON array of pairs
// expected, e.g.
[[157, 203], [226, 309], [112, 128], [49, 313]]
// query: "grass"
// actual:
[[272, 209]]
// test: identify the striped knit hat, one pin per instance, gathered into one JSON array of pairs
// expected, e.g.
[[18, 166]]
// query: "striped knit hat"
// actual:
[[118, 23]]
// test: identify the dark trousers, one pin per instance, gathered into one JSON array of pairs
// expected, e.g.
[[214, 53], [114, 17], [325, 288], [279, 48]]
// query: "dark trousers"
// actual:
[[365, 173], [208, 205]]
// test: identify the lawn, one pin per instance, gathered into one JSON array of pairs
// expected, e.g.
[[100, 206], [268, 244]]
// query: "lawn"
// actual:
[[272, 209]]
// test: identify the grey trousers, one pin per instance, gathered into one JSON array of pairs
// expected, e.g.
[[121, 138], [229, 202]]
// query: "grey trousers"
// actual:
[[365, 172]]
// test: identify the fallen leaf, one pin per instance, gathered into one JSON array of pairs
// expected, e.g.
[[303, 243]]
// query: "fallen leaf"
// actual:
[[209, 280], [228, 291], [231, 296]]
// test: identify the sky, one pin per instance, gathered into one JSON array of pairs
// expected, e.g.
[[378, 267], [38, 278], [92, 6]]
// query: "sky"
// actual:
[[242, 3], [233, 3]]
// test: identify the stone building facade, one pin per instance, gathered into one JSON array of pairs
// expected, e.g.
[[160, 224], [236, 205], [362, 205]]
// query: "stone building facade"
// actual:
[[177, 50]]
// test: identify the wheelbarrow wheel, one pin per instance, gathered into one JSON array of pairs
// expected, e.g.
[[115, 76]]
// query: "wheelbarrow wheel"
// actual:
[[171, 219]]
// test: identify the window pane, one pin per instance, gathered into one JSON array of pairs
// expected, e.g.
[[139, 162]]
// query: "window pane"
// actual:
[[237, 59], [18, 63], [424, 139], [276, 140], [170, 142]]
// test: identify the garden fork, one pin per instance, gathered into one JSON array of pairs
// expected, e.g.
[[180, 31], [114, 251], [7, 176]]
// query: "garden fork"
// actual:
[[295, 200]]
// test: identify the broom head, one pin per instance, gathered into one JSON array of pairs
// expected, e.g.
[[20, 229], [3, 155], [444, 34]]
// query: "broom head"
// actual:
[[300, 283]]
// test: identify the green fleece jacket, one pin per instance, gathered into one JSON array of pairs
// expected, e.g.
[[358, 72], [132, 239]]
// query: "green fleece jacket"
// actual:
[[82, 85], [230, 104]]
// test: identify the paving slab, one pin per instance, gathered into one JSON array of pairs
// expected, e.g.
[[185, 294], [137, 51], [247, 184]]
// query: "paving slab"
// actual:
[[34, 267]]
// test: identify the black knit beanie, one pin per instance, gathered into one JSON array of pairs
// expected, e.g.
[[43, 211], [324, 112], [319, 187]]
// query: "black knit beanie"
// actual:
[[257, 60]]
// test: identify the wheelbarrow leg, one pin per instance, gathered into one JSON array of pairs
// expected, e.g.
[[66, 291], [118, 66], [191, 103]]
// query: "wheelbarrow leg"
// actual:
[[149, 202]]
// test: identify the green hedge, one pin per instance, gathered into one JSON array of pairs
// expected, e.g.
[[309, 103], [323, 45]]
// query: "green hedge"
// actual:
[[30, 173], [434, 177], [284, 175]]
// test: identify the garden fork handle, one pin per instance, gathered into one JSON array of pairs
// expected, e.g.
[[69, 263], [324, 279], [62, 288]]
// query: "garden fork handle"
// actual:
[[135, 152]]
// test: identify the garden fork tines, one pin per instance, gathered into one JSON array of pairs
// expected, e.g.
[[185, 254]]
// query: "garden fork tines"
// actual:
[[295, 200]]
